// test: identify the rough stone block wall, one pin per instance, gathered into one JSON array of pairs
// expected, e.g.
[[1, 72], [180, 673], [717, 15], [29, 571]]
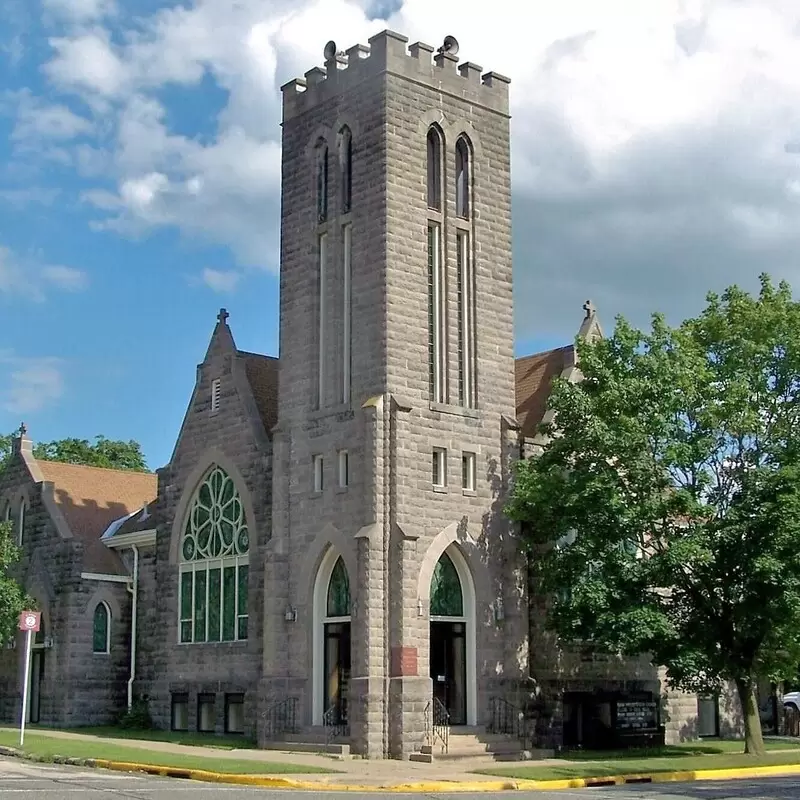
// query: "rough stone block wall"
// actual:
[[97, 690], [388, 100], [49, 570], [234, 438]]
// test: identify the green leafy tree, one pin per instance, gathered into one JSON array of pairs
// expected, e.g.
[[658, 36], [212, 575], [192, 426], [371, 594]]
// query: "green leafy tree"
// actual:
[[664, 510], [13, 599], [109, 453]]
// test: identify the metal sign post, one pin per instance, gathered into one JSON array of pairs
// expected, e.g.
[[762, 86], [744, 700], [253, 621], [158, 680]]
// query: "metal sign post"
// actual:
[[29, 621]]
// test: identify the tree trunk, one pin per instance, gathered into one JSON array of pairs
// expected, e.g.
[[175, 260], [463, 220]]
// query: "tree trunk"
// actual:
[[753, 737]]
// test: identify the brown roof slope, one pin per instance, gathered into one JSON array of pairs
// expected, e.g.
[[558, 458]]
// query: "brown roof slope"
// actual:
[[534, 380], [262, 375], [91, 498]]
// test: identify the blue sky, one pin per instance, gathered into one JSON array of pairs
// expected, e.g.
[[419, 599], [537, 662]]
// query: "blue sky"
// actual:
[[139, 176]]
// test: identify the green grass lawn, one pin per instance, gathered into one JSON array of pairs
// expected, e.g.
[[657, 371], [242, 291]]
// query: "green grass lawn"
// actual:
[[684, 757], [704, 747], [230, 742], [46, 747]]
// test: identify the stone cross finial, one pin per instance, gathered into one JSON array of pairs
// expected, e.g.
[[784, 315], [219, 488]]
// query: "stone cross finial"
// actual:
[[589, 308], [23, 429], [223, 316]]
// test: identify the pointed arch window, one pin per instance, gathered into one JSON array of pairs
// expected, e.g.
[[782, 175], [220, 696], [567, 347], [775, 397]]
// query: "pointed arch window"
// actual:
[[23, 508], [447, 597], [101, 629], [346, 168], [214, 570], [338, 600], [462, 178], [434, 145], [322, 181]]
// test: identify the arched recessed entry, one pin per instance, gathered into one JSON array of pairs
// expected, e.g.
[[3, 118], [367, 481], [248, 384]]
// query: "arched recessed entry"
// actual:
[[452, 637], [36, 678], [331, 645]]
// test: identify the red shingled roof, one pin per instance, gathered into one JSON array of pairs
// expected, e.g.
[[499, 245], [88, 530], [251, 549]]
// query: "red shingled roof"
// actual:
[[534, 380], [91, 498]]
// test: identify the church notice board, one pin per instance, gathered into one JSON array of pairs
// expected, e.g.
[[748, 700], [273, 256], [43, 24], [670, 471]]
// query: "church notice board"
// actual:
[[637, 715]]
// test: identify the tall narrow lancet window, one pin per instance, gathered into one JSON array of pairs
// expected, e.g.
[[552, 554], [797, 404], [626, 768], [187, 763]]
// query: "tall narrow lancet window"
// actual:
[[437, 271], [346, 168], [322, 181], [214, 570], [434, 169], [462, 178], [465, 277], [101, 629]]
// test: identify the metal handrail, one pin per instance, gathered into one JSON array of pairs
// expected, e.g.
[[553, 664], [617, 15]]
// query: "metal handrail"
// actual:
[[437, 724], [335, 723], [280, 718], [507, 719]]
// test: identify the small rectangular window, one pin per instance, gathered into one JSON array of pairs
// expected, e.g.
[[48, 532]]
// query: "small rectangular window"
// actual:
[[318, 473], [468, 471], [216, 389], [234, 713], [180, 711], [206, 717], [439, 467], [344, 469]]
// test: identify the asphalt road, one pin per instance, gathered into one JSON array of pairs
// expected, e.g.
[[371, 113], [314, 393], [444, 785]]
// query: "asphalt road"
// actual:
[[27, 781]]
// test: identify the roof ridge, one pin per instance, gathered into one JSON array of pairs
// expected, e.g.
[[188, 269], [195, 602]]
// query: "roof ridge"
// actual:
[[544, 352], [259, 355], [91, 466]]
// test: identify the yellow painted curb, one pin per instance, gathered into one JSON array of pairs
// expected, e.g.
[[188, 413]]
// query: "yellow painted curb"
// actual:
[[452, 787]]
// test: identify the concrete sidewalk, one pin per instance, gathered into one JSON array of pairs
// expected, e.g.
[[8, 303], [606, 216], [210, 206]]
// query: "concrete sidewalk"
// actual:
[[349, 771]]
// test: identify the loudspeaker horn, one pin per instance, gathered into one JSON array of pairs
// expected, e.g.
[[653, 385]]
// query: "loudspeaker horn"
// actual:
[[330, 50], [450, 46]]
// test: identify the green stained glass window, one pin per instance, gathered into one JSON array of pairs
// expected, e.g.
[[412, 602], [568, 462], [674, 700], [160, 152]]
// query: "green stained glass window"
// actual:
[[100, 631], [214, 573], [244, 577], [339, 591], [447, 599]]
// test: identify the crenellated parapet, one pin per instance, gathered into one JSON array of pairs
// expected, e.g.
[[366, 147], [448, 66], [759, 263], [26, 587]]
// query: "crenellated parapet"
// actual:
[[389, 52]]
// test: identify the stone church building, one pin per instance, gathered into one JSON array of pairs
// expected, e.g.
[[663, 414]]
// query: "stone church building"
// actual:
[[325, 554]]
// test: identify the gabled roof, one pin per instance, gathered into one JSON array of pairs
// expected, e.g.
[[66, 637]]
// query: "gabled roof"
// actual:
[[139, 520], [534, 380], [262, 375], [91, 498]]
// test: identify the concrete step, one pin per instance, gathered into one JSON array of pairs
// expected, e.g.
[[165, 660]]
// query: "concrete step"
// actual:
[[481, 747], [340, 750]]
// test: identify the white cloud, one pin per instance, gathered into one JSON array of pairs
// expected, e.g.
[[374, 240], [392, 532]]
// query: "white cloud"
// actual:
[[67, 278], [31, 384], [36, 119], [25, 277], [650, 138], [221, 281], [80, 10], [87, 62]]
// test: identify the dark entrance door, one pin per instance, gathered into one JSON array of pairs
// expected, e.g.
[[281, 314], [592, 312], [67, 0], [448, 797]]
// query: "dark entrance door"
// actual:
[[448, 660], [337, 671], [35, 690]]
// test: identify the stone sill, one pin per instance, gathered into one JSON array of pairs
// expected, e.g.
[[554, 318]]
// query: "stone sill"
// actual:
[[458, 411], [342, 410], [440, 489], [241, 644], [469, 492]]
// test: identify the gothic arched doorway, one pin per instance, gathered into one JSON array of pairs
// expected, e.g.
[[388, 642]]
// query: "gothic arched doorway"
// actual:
[[452, 637], [331, 642], [36, 674]]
